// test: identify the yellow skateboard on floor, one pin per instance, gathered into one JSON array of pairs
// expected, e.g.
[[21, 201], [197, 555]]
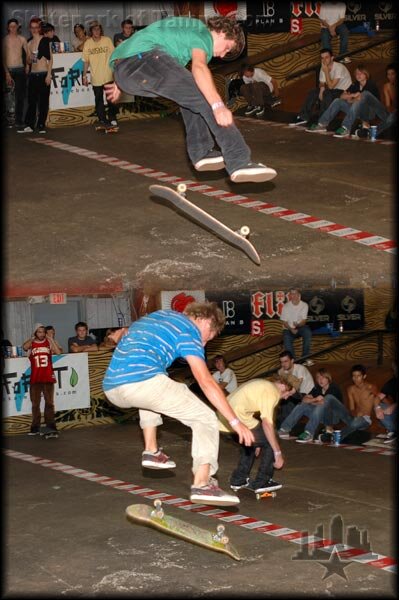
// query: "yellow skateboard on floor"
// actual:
[[156, 518]]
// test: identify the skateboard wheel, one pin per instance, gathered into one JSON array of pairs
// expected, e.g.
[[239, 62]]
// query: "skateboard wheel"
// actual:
[[181, 188], [244, 230]]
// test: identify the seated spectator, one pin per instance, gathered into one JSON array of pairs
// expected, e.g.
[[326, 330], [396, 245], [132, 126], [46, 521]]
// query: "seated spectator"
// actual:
[[293, 316], [353, 102], [50, 333], [109, 342], [82, 342], [334, 78], [332, 23], [303, 383], [386, 410], [125, 34], [234, 88], [259, 90], [224, 376], [386, 111], [80, 37], [257, 396], [312, 406], [363, 398]]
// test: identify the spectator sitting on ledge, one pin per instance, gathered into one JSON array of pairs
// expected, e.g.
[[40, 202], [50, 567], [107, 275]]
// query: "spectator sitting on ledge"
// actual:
[[82, 342]]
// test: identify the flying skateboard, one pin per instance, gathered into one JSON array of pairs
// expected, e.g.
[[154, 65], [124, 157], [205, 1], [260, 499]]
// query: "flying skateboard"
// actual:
[[107, 128], [236, 238], [156, 518], [47, 433]]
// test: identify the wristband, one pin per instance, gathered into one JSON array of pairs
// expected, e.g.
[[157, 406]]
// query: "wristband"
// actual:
[[277, 452], [217, 105], [234, 422]]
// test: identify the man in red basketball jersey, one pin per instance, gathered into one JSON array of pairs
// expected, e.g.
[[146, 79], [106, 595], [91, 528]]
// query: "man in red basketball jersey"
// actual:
[[40, 347]]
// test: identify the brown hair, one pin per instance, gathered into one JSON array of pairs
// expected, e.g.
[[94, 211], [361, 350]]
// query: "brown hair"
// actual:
[[93, 24], [226, 25], [325, 373], [288, 381], [363, 69], [206, 310]]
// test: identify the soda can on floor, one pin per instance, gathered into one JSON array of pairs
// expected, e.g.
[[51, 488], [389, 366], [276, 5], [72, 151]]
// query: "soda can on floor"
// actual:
[[373, 133], [337, 437]]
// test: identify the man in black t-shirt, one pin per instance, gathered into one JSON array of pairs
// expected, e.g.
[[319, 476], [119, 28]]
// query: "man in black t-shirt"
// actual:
[[82, 342], [127, 31]]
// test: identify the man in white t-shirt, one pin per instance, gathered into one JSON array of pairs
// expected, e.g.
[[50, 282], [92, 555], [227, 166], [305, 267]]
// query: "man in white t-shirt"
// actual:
[[293, 316], [332, 23], [259, 90], [334, 79], [224, 376], [301, 379]]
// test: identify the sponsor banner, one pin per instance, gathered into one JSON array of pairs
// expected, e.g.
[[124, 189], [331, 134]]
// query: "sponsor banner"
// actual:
[[268, 17], [357, 14], [238, 10], [67, 89], [236, 309], [71, 389], [325, 306], [178, 300]]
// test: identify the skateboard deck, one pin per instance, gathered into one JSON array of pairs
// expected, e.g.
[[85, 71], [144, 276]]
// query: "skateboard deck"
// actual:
[[178, 199], [47, 433], [111, 129], [155, 518]]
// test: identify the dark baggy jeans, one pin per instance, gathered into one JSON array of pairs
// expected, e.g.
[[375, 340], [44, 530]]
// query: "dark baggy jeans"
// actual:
[[100, 107], [38, 100], [247, 457], [19, 78], [155, 73], [257, 93]]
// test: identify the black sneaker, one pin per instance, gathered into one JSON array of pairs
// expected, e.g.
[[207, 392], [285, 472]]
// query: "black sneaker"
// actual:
[[362, 132], [213, 161], [275, 102], [260, 112], [269, 486], [239, 486], [253, 172], [298, 121], [251, 109], [325, 437], [34, 431], [391, 438]]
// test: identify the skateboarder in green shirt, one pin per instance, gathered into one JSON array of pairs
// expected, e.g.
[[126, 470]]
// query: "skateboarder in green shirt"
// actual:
[[153, 63]]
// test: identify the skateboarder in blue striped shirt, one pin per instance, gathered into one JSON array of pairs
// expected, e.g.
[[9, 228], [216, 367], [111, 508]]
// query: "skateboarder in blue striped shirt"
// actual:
[[137, 377]]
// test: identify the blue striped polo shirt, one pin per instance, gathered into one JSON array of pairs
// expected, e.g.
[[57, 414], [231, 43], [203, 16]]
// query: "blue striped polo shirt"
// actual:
[[150, 346]]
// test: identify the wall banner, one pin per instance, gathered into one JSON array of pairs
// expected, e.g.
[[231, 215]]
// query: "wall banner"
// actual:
[[71, 389]]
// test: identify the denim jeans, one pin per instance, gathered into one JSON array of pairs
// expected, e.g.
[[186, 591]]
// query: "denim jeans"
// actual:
[[247, 457], [389, 421], [355, 424], [155, 73], [335, 411], [288, 339], [342, 32], [314, 412], [313, 97], [100, 106]]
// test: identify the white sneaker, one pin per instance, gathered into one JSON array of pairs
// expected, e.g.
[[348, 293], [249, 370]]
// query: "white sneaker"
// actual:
[[114, 123], [26, 129], [284, 435], [253, 172], [213, 161], [157, 460], [212, 494]]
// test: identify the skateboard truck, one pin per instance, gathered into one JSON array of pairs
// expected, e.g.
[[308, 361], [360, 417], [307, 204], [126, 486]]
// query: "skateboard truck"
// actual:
[[266, 495], [158, 512], [219, 535]]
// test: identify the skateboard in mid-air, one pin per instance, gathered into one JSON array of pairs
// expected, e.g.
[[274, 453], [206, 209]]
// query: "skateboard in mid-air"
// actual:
[[179, 200], [107, 128], [156, 518], [47, 433]]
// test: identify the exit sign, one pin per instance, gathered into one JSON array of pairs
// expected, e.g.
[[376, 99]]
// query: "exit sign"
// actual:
[[57, 298]]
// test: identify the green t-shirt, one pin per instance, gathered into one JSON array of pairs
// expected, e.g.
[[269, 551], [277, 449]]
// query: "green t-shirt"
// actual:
[[177, 36]]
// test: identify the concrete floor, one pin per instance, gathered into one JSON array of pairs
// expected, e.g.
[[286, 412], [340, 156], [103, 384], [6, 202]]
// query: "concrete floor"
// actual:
[[68, 537], [97, 223]]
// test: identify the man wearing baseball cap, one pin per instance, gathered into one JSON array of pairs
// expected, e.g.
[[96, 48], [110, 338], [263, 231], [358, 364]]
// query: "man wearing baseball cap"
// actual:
[[40, 347]]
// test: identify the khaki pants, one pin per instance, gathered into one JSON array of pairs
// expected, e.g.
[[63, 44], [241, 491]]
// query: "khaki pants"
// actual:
[[160, 394], [36, 390]]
